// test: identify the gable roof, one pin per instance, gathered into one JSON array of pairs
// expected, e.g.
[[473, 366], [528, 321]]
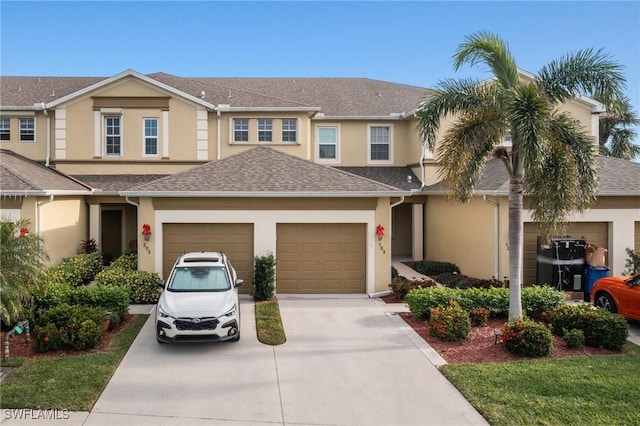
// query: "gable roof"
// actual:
[[20, 176], [263, 172], [617, 178], [113, 184]]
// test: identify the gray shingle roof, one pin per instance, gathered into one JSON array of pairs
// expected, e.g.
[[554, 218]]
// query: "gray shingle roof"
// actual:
[[393, 176], [115, 183], [263, 171], [19, 175], [617, 178], [334, 96]]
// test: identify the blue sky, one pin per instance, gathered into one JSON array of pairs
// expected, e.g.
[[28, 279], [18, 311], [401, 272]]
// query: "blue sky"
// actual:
[[404, 42]]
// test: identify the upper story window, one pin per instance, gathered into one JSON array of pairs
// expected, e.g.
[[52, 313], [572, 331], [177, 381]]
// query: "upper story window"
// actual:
[[5, 129], [265, 130], [113, 138], [27, 130], [240, 130], [380, 143], [151, 136], [289, 130], [327, 141]]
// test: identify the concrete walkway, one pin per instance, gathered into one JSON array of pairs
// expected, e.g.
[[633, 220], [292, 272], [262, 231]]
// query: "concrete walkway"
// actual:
[[405, 271]]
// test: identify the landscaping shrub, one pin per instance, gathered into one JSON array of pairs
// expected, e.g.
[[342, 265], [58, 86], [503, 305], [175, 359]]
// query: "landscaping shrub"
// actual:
[[528, 338], [539, 299], [565, 317], [449, 324], [431, 267], [128, 261], [400, 286], [77, 327], [110, 298], [632, 263], [479, 317], [454, 280], [394, 272], [421, 301], [264, 277], [142, 285], [574, 338], [77, 270]]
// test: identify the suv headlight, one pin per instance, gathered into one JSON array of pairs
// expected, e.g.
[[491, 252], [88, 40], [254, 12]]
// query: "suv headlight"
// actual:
[[163, 313], [231, 312]]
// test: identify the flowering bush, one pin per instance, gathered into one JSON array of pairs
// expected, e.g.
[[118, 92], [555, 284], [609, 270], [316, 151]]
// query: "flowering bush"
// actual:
[[449, 324], [479, 317], [48, 338], [524, 337], [574, 338], [69, 326]]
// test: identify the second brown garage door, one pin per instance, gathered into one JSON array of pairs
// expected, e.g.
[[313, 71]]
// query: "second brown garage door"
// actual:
[[321, 258], [233, 239]]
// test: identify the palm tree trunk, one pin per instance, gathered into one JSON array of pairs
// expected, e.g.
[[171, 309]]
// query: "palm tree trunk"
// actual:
[[516, 232]]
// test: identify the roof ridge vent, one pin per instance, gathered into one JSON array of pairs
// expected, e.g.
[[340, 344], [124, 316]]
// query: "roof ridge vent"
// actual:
[[229, 95], [53, 93]]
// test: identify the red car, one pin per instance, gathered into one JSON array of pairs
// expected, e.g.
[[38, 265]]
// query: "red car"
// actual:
[[618, 295]]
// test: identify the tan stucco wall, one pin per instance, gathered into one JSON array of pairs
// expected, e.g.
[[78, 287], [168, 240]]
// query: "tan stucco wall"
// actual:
[[36, 150], [382, 267], [64, 225]]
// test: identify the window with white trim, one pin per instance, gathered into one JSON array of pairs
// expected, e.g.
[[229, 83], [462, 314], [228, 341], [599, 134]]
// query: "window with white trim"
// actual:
[[112, 133], [5, 129], [379, 143], [265, 130], [151, 136], [241, 130], [27, 129], [327, 137], [289, 130]]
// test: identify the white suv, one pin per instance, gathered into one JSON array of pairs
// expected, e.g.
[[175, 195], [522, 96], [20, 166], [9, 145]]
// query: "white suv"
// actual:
[[199, 301]]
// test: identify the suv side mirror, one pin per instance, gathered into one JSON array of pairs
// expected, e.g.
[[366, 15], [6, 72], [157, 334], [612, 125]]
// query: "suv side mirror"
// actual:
[[161, 283], [238, 282]]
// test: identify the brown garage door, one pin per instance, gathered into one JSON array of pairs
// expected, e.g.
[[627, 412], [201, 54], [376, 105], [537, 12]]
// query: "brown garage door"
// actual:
[[233, 239], [593, 232], [321, 258]]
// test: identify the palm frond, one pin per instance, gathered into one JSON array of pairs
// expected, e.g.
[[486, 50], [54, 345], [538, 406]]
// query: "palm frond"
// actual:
[[622, 145], [489, 49]]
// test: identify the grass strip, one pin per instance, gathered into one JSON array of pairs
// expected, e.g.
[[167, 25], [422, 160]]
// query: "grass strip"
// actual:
[[269, 323], [70, 382], [594, 390]]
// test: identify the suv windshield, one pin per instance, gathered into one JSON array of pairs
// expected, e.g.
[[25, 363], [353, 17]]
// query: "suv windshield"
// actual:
[[199, 278]]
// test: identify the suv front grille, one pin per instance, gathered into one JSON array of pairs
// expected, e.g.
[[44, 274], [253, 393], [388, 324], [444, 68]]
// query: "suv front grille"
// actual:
[[196, 324]]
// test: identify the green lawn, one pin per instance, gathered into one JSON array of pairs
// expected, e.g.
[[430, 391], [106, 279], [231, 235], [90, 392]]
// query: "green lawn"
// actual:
[[71, 382], [269, 324], [594, 390]]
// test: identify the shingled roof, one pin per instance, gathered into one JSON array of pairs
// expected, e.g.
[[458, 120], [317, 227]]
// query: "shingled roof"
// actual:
[[333, 97], [617, 178], [263, 171], [399, 177], [113, 184], [21, 176]]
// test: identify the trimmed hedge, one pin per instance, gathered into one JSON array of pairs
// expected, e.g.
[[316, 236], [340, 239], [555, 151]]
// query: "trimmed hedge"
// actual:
[[77, 270], [400, 286], [127, 261], [454, 280], [111, 298], [432, 267], [535, 299], [142, 285]]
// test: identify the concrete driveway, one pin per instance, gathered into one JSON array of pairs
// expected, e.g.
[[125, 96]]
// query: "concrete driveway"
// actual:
[[346, 362]]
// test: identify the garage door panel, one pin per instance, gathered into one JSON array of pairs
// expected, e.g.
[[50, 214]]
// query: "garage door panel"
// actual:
[[235, 240], [321, 258]]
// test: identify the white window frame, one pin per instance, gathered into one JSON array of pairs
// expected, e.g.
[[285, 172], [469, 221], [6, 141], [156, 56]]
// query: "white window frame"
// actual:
[[233, 129], [335, 160], [390, 143], [146, 137], [28, 131], [265, 125], [105, 118], [5, 130], [287, 129]]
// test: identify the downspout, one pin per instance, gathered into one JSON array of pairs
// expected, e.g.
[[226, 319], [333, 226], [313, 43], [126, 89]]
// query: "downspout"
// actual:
[[218, 135], [422, 170], [496, 260], [46, 113], [397, 203], [39, 205]]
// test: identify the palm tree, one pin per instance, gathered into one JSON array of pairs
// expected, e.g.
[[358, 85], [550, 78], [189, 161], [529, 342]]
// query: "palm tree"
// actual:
[[548, 146], [616, 135], [22, 258]]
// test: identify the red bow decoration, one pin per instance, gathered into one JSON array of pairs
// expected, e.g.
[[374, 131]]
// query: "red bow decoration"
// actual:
[[24, 232], [146, 229], [380, 231]]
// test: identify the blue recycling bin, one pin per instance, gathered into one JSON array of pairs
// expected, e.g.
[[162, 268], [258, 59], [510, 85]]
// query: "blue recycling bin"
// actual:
[[594, 273]]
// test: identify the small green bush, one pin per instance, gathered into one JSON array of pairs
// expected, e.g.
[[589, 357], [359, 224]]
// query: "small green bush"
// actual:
[[86, 336], [449, 324], [565, 317], [77, 270], [632, 263], [400, 286], [142, 285], [431, 267], [78, 327], [128, 261], [574, 338], [48, 338], [394, 272], [264, 277], [479, 317], [421, 301], [528, 338], [539, 299]]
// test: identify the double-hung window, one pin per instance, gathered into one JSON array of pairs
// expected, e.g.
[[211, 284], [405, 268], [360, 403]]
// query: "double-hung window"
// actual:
[[5, 129], [113, 138], [327, 138], [265, 130], [151, 136], [289, 130], [27, 129], [379, 143], [241, 130]]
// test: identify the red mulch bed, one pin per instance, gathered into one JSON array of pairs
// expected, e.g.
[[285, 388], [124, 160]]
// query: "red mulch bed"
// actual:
[[480, 346], [18, 347]]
